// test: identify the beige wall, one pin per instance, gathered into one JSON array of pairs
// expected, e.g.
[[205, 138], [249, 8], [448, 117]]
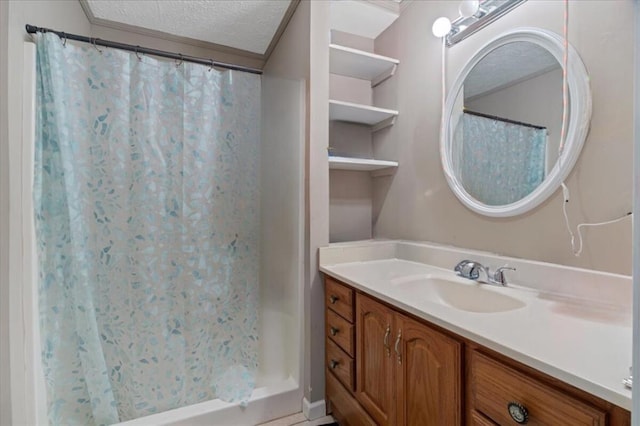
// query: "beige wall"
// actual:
[[128, 37], [416, 203], [318, 188], [303, 53], [5, 388]]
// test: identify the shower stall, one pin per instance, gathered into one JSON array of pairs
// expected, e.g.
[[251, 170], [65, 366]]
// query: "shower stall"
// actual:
[[279, 172]]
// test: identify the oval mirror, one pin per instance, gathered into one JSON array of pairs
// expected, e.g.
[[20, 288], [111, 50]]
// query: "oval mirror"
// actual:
[[500, 141]]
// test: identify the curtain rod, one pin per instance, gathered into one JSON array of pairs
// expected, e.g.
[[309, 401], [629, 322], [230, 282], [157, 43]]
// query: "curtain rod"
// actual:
[[31, 29], [506, 120]]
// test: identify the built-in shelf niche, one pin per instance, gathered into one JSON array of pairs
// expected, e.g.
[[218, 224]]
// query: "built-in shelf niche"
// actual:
[[355, 72], [377, 118], [360, 64]]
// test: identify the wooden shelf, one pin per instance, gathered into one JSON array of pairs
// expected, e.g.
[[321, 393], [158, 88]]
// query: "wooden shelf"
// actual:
[[360, 64], [378, 118], [359, 164]]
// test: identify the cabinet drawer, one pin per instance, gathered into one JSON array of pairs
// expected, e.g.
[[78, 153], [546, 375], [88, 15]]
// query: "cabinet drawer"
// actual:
[[340, 331], [344, 407], [494, 386], [477, 419], [339, 298], [340, 364]]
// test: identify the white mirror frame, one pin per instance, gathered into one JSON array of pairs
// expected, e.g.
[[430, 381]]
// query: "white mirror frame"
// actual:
[[577, 129]]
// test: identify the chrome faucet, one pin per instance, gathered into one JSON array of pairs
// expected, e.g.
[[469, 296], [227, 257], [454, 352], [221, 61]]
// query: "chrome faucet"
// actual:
[[471, 270]]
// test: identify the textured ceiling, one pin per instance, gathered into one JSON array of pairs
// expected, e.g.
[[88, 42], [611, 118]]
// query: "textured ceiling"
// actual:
[[242, 24], [507, 65]]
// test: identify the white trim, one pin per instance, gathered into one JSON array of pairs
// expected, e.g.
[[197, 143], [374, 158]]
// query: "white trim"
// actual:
[[358, 113], [578, 126], [35, 402], [26, 386], [359, 164], [360, 64], [313, 410]]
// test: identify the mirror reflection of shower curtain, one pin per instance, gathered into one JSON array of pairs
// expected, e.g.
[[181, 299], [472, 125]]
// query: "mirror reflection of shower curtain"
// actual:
[[147, 221], [498, 162]]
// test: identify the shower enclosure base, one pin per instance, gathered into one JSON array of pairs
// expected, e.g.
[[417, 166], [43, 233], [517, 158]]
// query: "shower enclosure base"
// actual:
[[268, 402]]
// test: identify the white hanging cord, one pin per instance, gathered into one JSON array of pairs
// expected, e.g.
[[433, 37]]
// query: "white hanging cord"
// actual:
[[577, 251], [563, 131]]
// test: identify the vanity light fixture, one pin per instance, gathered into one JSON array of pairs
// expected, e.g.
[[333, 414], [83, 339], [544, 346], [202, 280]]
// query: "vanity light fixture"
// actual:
[[468, 8], [441, 27], [474, 15]]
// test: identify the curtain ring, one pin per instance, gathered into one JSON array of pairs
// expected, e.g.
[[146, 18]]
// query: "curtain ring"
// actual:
[[178, 63], [64, 39], [138, 54], [95, 46], [211, 63]]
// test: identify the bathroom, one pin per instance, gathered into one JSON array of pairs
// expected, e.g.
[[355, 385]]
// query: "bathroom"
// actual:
[[320, 204]]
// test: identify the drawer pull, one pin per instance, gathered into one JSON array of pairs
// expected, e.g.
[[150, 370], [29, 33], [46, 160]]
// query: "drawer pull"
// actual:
[[333, 364], [334, 330], [518, 413], [398, 347], [386, 341], [333, 299]]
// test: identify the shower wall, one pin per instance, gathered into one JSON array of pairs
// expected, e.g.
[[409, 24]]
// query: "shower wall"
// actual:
[[303, 53], [282, 209], [5, 388]]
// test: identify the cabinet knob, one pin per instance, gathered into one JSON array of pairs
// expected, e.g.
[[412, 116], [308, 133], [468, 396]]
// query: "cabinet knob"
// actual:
[[518, 412], [334, 330], [333, 364], [333, 299]]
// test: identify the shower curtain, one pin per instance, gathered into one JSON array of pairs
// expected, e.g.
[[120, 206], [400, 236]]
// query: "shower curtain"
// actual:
[[499, 162], [147, 222]]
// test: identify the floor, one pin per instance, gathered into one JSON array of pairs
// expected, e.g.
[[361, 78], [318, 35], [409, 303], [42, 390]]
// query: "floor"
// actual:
[[299, 420]]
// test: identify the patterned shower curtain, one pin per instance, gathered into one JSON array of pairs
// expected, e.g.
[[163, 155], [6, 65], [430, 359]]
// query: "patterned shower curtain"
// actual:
[[498, 162], [147, 223]]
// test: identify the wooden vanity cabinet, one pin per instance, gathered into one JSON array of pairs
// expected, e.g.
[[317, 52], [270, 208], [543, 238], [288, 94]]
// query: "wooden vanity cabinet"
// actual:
[[385, 367], [428, 375], [494, 381], [339, 355], [407, 372], [495, 386], [374, 360]]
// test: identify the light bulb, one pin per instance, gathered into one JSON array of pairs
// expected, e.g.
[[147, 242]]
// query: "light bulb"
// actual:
[[468, 8], [441, 27]]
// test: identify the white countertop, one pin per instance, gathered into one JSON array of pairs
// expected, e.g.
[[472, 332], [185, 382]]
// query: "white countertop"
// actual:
[[585, 341]]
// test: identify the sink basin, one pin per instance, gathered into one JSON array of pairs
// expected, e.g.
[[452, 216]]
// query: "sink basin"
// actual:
[[459, 293]]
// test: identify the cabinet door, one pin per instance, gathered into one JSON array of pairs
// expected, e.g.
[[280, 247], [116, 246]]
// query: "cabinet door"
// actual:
[[427, 375], [374, 361]]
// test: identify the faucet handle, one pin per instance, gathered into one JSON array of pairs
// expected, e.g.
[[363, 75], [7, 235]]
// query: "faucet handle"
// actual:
[[498, 275], [468, 269], [460, 266]]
